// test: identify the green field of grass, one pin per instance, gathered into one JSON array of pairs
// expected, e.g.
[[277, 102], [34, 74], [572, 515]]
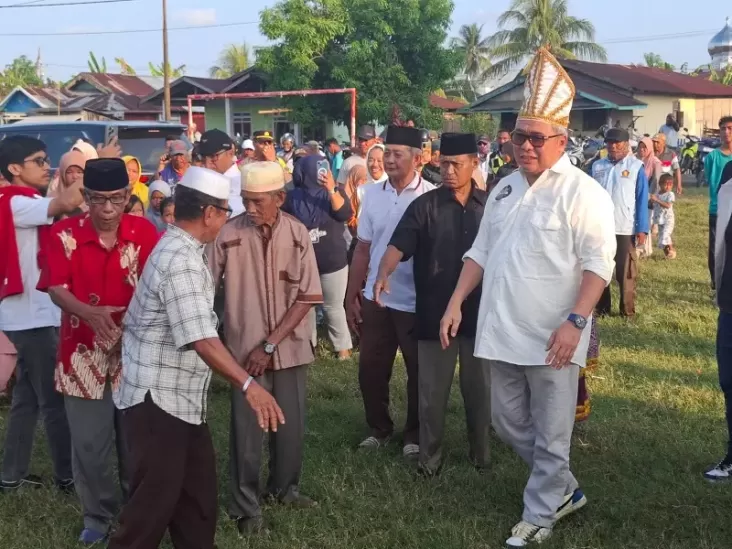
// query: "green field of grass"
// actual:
[[657, 423]]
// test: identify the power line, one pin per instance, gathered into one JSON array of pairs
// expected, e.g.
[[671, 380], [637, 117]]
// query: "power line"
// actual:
[[672, 36], [130, 31], [35, 4]]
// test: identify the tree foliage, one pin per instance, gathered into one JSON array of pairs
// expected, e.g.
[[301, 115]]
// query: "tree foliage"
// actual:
[[233, 58], [173, 72], [479, 124], [475, 57], [20, 72], [654, 60], [536, 23], [95, 65], [391, 51], [125, 67]]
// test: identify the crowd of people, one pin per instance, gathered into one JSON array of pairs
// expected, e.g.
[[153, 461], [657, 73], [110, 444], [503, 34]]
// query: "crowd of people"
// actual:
[[120, 298]]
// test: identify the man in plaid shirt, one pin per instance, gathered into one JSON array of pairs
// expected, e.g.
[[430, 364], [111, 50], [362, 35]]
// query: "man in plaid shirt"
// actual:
[[169, 347]]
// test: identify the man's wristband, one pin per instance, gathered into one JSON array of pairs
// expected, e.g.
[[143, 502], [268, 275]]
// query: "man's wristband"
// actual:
[[247, 383]]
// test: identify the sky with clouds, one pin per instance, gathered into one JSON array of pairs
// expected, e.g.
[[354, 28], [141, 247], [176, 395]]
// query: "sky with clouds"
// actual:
[[681, 33]]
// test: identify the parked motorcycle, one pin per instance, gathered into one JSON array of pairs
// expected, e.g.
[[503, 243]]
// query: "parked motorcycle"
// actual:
[[706, 145], [689, 150]]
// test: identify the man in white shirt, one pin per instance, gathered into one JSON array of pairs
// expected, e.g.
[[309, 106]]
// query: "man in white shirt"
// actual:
[[219, 154], [28, 317], [366, 140], [383, 330], [545, 253], [671, 130]]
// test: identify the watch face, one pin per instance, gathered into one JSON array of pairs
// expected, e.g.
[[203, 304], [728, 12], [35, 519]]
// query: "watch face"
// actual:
[[269, 348], [580, 322]]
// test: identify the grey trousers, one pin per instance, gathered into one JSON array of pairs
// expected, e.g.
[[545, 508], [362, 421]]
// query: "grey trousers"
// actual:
[[34, 390], [436, 372], [533, 410], [96, 436], [334, 293], [285, 446]]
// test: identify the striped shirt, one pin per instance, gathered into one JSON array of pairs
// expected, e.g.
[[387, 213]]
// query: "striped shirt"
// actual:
[[171, 309]]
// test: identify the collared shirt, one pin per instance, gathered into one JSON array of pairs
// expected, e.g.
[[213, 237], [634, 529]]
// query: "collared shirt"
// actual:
[[534, 244], [672, 135], [31, 309], [171, 309], [381, 210], [263, 279], [436, 230], [236, 203], [99, 276]]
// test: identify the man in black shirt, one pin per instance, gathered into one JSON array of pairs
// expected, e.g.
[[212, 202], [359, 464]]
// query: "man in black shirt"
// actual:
[[437, 229], [431, 172]]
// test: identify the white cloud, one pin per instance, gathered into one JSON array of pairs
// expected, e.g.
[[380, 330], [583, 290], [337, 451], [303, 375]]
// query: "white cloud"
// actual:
[[191, 17]]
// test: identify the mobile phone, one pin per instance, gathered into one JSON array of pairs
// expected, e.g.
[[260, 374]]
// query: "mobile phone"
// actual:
[[323, 168]]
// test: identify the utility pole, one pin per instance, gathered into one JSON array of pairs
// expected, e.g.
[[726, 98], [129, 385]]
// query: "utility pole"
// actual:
[[166, 64]]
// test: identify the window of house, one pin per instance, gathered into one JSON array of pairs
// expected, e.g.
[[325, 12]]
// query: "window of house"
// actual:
[[242, 124], [282, 126]]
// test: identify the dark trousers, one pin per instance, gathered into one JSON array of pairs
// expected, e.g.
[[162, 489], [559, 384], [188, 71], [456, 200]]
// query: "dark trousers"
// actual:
[[436, 373], [712, 243], [626, 272], [383, 331], [33, 392], [724, 363], [97, 442], [288, 387], [172, 484]]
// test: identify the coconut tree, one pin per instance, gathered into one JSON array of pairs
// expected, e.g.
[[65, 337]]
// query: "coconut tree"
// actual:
[[475, 55], [233, 58], [530, 24]]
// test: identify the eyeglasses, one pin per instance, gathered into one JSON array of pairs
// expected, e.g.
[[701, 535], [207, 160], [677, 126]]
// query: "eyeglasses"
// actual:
[[537, 140], [99, 200], [228, 211], [39, 161]]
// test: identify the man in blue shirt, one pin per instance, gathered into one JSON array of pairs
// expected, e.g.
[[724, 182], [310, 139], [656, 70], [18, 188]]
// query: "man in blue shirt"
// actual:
[[624, 177], [714, 165], [335, 155]]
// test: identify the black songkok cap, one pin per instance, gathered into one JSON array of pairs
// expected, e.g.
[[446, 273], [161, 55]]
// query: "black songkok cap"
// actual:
[[401, 135], [455, 144], [106, 175]]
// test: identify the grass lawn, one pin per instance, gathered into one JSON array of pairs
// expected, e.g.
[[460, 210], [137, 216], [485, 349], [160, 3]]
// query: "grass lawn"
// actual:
[[657, 422]]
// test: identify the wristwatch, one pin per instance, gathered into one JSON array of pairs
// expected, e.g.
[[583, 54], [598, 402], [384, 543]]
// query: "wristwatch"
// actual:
[[269, 348], [334, 190], [578, 321]]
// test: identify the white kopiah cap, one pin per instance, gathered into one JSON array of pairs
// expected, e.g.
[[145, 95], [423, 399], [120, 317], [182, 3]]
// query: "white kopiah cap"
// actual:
[[262, 177], [207, 182]]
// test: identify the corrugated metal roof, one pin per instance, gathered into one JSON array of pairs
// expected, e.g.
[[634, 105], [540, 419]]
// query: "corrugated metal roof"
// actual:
[[115, 83], [445, 104], [649, 80]]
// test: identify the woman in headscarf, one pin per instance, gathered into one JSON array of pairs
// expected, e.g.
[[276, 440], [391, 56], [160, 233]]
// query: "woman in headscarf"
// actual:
[[323, 208], [158, 191], [70, 170], [134, 172], [653, 168], [375, 164]]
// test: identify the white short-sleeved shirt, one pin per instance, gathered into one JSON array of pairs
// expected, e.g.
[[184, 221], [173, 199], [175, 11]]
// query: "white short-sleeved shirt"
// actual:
[[534, 243], [381, 210], [236, 203], [31, 309]]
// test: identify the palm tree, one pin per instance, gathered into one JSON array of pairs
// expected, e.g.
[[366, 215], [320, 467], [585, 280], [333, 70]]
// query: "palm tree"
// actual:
[[475, 54], [173, 72], [95, 65], [539, 23], [232, 59]]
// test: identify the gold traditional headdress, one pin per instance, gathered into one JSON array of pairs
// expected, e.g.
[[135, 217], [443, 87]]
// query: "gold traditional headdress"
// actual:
[[548, 91]]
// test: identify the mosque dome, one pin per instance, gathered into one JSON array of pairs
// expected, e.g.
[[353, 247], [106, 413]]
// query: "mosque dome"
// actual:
[[722, 41]]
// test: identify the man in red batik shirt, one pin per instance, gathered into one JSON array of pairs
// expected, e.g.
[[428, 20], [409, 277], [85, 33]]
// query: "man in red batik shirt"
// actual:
[[94, 263]]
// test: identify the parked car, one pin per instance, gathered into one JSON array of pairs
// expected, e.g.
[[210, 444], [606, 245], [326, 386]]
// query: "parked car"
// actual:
[[141, 139]]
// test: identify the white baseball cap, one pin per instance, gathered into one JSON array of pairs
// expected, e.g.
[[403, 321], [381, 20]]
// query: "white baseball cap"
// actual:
[[248, 145]]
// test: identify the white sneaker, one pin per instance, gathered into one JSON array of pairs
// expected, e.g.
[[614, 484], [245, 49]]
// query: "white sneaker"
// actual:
[[572, 502], [525, 532], [373, 442], [410, 451]]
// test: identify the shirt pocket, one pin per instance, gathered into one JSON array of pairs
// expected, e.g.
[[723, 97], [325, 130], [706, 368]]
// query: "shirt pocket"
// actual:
[[545, 232]]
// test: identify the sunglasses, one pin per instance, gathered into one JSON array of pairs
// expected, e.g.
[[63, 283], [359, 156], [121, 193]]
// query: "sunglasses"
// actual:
[[39, 161], [99, 200], [537, 141]]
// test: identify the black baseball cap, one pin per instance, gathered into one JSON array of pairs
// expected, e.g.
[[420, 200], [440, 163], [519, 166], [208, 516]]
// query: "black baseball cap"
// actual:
[[213, 142], [263, 135], [618, 135], [366, 133]]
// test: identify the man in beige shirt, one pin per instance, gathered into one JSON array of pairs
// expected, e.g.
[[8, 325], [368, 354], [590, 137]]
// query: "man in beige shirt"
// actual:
[[270, 283]]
